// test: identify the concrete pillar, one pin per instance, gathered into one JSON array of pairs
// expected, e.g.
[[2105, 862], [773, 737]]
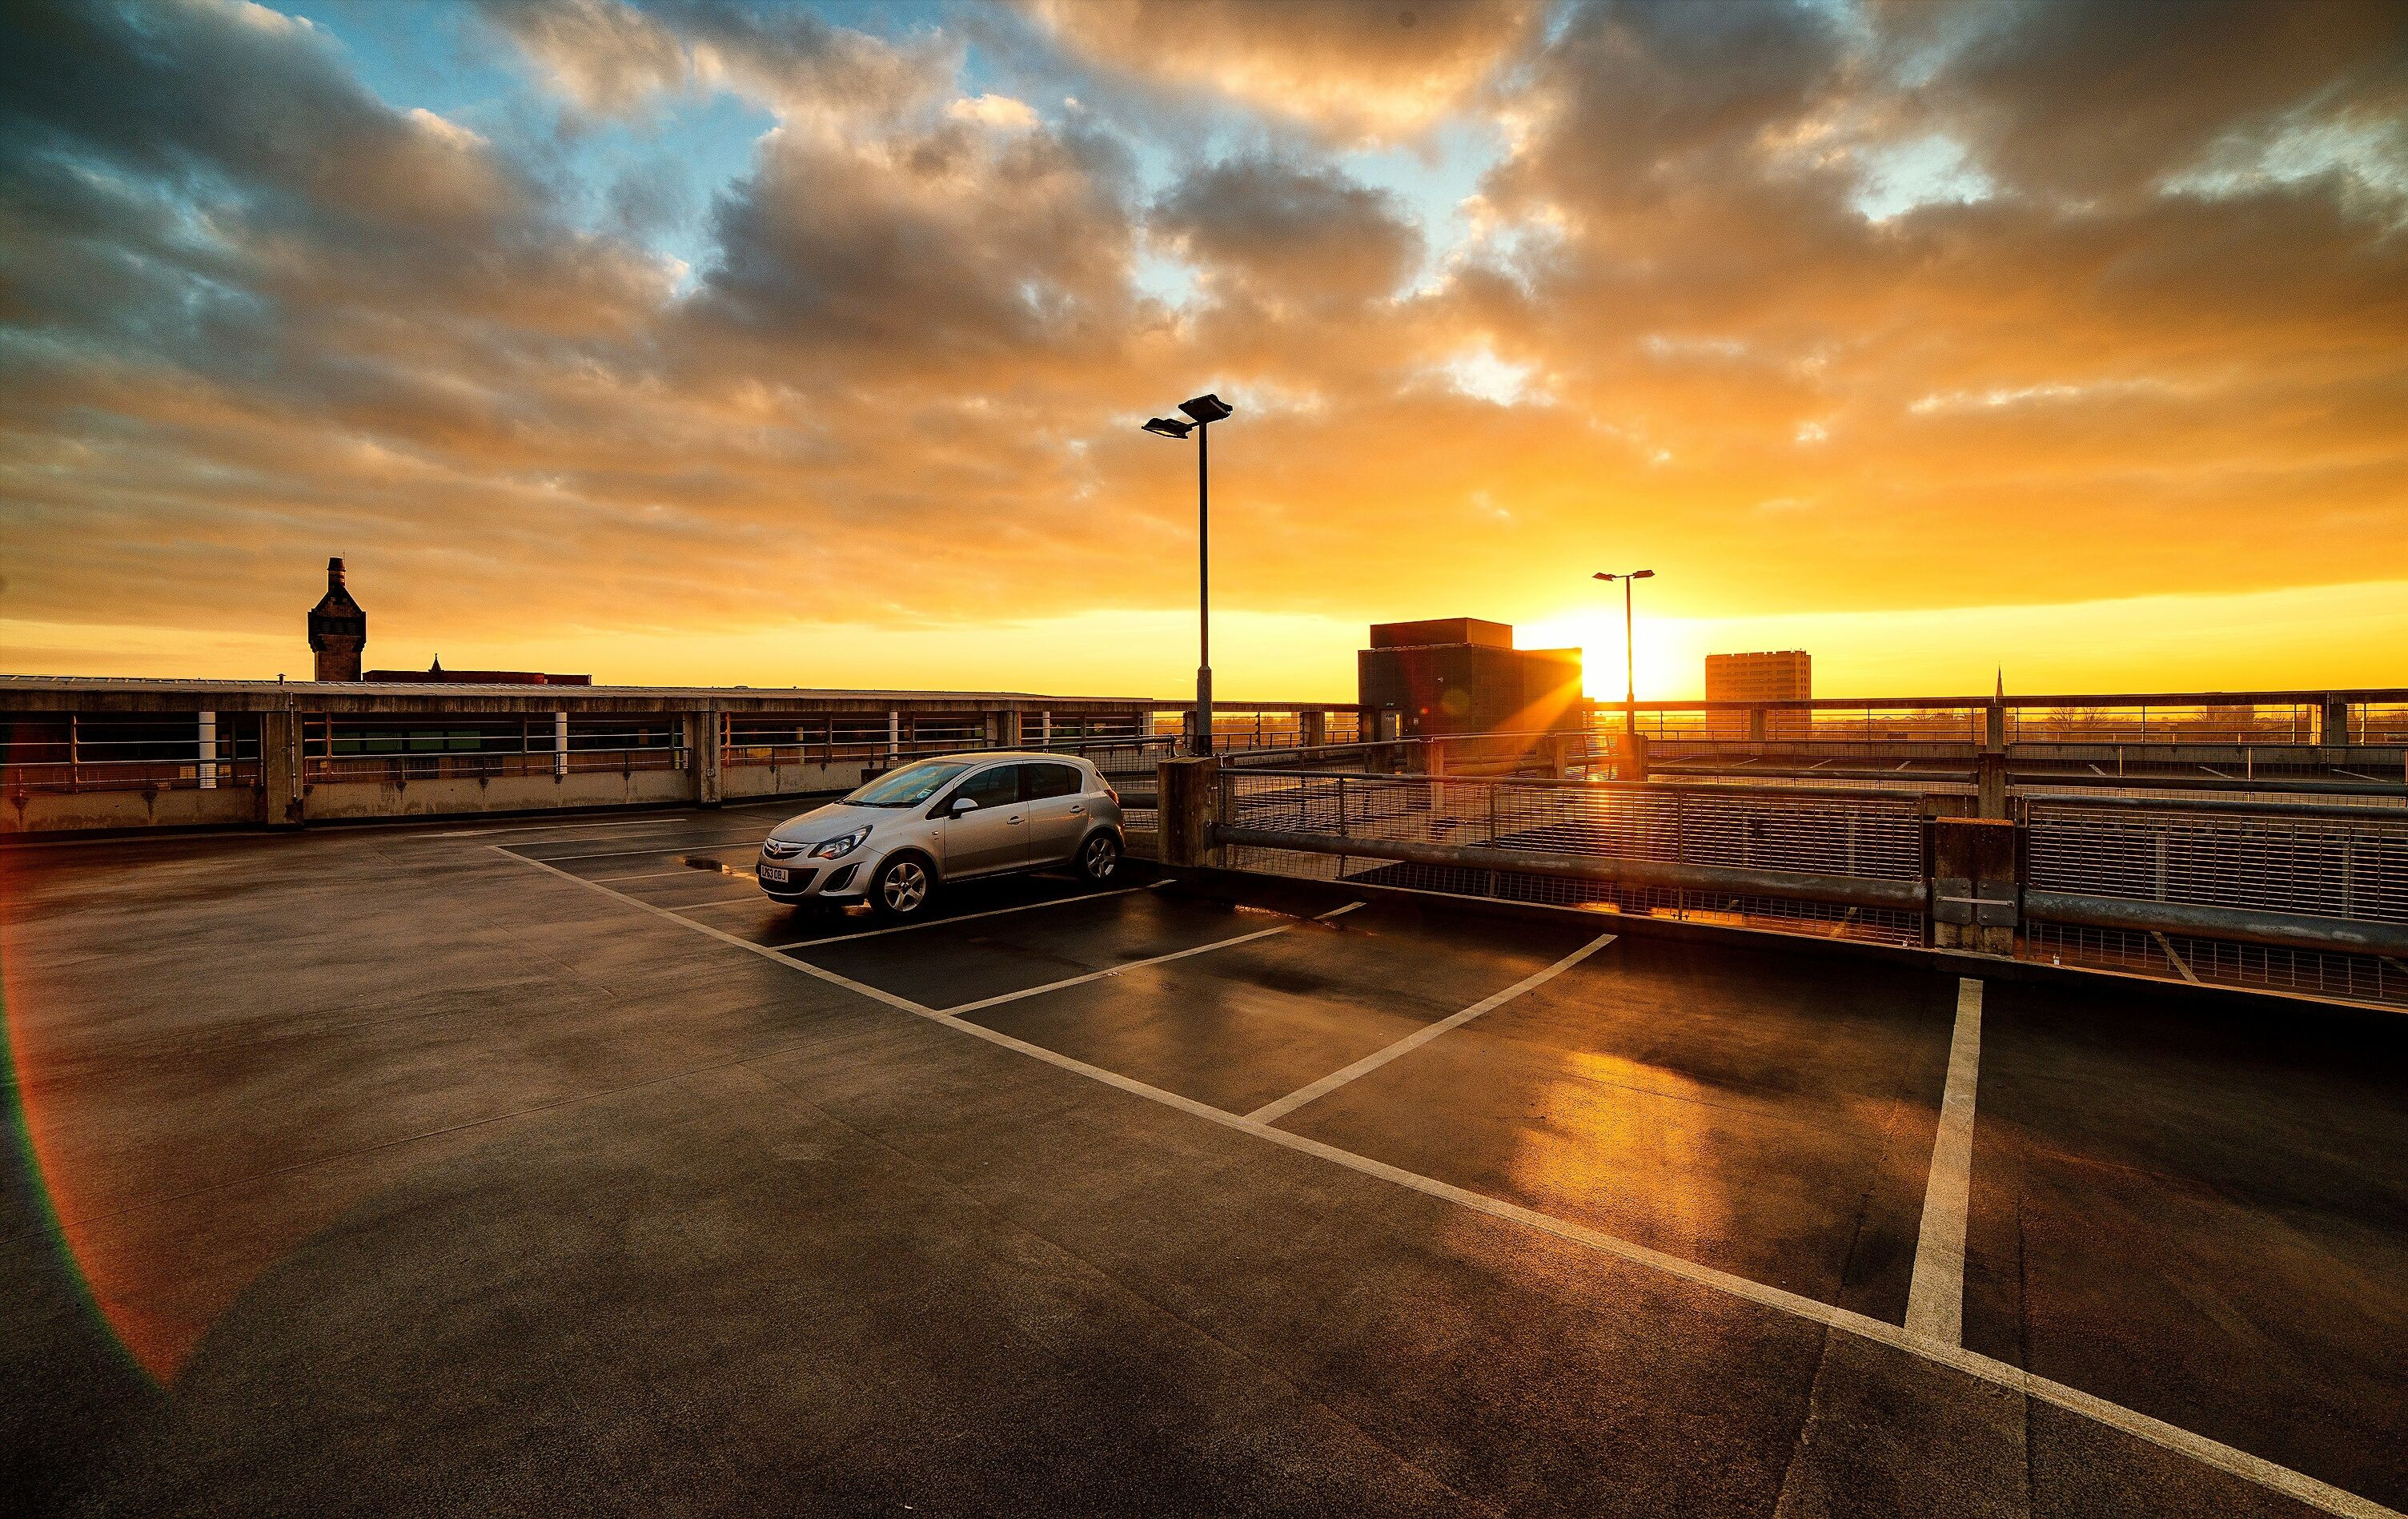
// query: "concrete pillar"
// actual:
[[1758, 727], [706, 746], [206, 749], [1045, 730], [894, 736], [1976, 892], [1633, 763], [1994, 727], [279, 769], [1990, 781], [1313, 729], [560, 744], [1190, 794], [2333, 727]]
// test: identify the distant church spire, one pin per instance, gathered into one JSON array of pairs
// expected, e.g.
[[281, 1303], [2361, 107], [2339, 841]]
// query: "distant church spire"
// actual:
[[2002, 683], [339, 629]]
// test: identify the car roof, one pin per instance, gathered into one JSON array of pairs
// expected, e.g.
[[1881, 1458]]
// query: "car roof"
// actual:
[[1022, 754]]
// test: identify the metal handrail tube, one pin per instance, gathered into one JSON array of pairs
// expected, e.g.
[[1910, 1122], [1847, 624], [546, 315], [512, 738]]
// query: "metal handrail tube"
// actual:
[[2313, 810], [1643, 788], [2283, 930], [1850, 891]]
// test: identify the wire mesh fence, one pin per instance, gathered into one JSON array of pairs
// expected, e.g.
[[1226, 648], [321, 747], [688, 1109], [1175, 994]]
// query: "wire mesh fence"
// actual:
[[1828, 920], [1873, 837], [1880, 837], [2215, 962], [2332, 868]]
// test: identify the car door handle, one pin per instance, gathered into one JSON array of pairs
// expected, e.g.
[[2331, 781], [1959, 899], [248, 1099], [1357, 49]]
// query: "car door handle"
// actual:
[[1078, 809], [1014, 820]]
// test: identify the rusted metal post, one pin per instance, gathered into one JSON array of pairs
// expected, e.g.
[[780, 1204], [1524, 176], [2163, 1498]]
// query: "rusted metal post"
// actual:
[[1976, 890], [1188, 791]]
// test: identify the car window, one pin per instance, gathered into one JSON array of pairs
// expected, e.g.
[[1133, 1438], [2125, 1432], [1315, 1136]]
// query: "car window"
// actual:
[[998, 787], [909, 786], [1053, 780]]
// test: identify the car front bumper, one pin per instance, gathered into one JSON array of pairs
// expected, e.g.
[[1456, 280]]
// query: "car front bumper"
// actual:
[[807, 879]]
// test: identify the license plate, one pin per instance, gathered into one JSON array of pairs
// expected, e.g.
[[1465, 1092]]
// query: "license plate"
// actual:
[[774, 872]]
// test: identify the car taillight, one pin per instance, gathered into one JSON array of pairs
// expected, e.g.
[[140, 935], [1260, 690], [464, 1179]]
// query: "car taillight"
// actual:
[[1113, 795]]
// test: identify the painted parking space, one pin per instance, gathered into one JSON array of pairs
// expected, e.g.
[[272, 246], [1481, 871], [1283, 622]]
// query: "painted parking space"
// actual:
[[1244, 1026], [2204, 1216], [953, 965], [1765, 1116]]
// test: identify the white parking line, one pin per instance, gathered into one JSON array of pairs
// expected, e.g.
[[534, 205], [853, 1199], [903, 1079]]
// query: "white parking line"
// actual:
[[558, 827], [1271, 1112], [874, 994], [1935, 1300], [965, 917], [696, 870], [2180, 964], [2207, 1451], [620, 854], [1099, 975], [749, 900]]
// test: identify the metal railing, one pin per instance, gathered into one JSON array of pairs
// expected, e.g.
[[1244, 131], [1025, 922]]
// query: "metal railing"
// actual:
[[402, 750], [1847, 864], [2280, 719], [72, 752], [2268, 895], [2244, 873]]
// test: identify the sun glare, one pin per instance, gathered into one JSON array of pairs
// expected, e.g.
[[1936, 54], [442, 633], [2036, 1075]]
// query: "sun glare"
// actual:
[[1667, 668]]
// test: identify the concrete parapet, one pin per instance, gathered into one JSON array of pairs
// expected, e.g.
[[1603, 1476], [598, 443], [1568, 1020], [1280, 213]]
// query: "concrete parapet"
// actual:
[[1990, 782]]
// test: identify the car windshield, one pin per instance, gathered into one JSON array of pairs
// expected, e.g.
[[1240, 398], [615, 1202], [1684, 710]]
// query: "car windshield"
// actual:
[[909, 786]]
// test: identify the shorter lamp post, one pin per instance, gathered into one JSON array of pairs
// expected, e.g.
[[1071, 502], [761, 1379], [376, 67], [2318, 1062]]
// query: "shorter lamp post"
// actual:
[[1629, 659]]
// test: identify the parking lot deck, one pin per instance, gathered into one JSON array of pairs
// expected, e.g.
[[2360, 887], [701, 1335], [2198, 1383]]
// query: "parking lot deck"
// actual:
[[548, 1167]]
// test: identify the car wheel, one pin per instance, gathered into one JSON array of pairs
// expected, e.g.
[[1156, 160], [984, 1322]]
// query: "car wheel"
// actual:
[[1100, 859], [901, 888]]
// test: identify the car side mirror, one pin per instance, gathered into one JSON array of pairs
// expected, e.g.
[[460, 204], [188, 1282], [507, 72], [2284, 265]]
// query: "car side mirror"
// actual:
[[963, 804]]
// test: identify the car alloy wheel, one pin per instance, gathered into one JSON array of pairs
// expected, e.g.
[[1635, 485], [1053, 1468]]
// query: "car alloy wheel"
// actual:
[[1100, 858], [903, 887]]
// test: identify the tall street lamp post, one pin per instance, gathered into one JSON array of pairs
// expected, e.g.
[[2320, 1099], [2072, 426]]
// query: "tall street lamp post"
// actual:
[[1206, 410], [1629, 659]]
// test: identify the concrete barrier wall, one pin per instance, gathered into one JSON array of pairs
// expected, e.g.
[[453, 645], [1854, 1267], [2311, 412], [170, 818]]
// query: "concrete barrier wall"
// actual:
[[336, 801], [792, 779], [92, 811]]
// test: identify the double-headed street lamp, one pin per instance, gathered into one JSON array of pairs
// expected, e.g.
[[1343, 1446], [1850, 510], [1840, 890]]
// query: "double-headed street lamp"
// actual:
[[1206, 410], [1629, 660]]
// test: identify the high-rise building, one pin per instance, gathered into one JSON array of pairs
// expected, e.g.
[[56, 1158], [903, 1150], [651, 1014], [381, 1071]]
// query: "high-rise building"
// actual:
[[1779, 675], [339, 629], [1456, 675]]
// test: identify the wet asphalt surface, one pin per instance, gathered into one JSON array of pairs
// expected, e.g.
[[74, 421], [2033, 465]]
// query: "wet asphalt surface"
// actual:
[[383, 1172]]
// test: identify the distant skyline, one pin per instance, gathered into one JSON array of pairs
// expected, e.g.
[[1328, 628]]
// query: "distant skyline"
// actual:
[[807, 345]]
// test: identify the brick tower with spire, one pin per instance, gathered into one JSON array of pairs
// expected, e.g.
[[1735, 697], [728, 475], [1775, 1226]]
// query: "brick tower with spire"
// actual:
[[339, 629]]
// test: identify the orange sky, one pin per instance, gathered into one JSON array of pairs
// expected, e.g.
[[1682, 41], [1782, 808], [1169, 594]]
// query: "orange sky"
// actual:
[[809, 347]]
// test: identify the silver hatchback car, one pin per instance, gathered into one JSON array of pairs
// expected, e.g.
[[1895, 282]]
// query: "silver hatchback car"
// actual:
[[894, 841]]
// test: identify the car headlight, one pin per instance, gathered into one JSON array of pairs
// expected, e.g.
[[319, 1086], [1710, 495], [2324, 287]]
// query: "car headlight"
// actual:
[[838, 848]]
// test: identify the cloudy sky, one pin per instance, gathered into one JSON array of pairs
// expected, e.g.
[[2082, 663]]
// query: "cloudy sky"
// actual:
[[774, 345]]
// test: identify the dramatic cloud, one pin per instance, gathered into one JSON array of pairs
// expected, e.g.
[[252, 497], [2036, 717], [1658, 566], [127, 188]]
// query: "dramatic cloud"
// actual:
[[1281, 231], [1351, 69], [685, 318]]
